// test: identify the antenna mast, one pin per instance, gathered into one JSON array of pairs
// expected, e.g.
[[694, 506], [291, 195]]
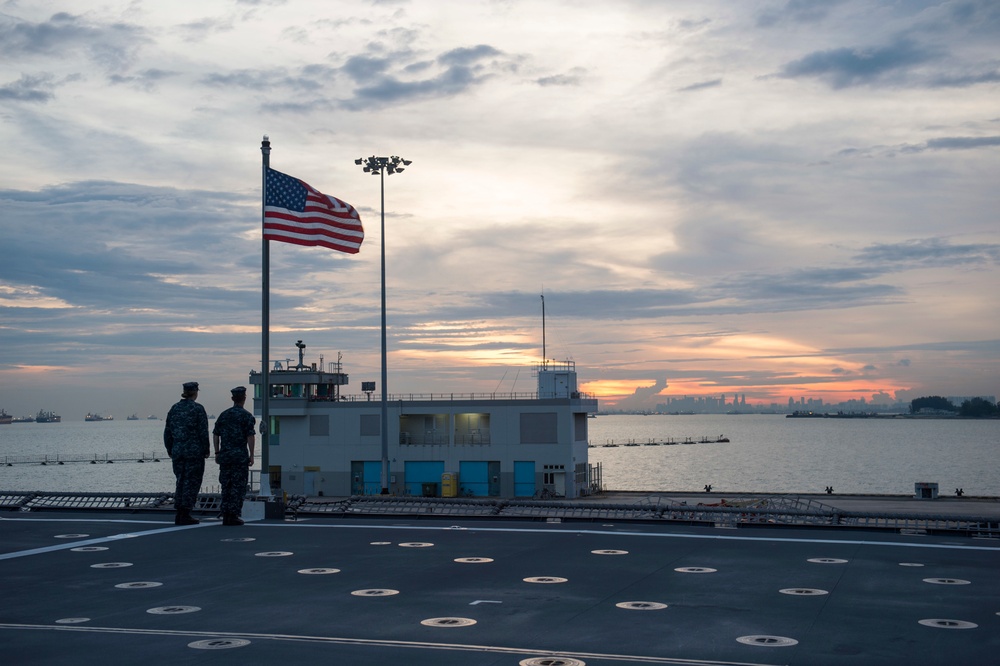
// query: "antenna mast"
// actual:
[[544, 357]]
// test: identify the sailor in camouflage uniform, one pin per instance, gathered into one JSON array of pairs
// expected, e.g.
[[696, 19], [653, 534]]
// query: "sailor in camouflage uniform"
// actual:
[[185, 437], [234, 439]]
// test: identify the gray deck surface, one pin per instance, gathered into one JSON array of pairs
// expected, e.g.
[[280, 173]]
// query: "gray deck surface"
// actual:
[[120, 588]]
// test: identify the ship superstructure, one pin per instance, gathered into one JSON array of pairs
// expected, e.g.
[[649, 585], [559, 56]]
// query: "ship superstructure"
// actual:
[[324, 441]]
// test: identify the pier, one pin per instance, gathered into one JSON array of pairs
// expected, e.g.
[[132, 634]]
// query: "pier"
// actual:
[[92, 459], [669, 441]]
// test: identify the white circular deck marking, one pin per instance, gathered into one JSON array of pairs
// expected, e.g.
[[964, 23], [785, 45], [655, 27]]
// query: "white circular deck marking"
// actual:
[[71, 536], [910, 564], [238, 539], [415, 544], [767, 641], [609, 552], [173, 610], [474, 560], [273, 553], [374, 592], [88, 549], [948, 624], [803, 591], [73, 620], [219, 643], [546, 579], [947, 581], [448, 622], [111, 565], [826, 560], [319, 571], [138, 585], [551, 661], [641, 605], [695, 570]]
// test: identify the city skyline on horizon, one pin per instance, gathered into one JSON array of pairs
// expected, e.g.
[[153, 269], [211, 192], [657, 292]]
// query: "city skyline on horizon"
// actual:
[[685, 401], [776, 199]]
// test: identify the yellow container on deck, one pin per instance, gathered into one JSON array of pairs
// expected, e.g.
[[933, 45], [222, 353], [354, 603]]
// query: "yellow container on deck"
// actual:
[[449, 484]]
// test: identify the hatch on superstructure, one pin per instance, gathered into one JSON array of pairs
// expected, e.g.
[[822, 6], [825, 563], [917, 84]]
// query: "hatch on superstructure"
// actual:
[[557, 379]]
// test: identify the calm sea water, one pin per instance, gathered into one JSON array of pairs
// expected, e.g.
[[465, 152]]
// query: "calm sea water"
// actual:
[[771, 453], [113, 439], [766, 453]]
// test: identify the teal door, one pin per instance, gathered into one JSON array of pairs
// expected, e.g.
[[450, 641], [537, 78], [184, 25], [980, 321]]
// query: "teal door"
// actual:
[[418, 473], [366, 477], [524, 478], [473, 478]]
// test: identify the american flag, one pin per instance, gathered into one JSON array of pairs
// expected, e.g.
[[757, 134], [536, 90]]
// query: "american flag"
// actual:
[[295, 212]]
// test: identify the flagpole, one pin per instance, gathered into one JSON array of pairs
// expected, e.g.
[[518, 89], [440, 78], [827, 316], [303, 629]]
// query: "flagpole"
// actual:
[[265, 331]]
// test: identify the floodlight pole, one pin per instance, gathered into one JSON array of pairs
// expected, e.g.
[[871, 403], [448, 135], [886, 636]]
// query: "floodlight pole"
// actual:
[[380, 166]]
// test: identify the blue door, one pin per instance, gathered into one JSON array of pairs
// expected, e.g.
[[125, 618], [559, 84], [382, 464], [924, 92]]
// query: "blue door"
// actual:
[[418, 473], [524, 478], [474, 478], [366, 477]]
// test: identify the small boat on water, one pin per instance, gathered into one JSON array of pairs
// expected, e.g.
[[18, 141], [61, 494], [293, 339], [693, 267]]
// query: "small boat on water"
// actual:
[[152, 417], [133, 417], [47, 417]]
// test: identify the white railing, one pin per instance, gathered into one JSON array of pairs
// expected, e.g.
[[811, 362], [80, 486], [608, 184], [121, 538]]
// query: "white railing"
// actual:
[[429, 397]]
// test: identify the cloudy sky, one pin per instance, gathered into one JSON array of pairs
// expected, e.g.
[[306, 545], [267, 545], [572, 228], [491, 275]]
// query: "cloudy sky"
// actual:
[[772, 198]]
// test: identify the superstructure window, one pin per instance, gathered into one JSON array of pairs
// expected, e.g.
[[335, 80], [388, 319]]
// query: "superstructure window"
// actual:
[[423, 429], [539, 428], [371, 425], [472, 429]]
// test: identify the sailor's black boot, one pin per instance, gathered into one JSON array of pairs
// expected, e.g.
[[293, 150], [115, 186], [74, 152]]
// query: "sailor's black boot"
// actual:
[[184, 517]]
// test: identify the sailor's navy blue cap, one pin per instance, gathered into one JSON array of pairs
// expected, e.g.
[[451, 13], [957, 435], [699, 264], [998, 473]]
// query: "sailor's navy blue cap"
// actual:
[[190, 386], [238, 391]]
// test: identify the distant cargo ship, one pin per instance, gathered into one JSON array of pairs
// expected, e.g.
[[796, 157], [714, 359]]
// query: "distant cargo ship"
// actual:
[[47, 417], [134, 417], [5, 418], [97, 417]]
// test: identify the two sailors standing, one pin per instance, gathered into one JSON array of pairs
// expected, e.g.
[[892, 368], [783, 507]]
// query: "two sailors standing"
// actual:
[[185, 436]]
